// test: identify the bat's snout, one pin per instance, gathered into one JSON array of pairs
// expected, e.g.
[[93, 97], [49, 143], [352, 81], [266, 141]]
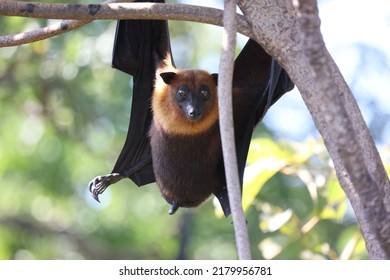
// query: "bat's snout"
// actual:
[[193, 114]]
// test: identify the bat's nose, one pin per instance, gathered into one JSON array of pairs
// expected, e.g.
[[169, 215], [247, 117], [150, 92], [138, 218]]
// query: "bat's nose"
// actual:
[[193, 113]]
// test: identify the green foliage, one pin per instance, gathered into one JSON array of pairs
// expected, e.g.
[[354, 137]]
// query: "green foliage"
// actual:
[[63, 120], [302, 212]]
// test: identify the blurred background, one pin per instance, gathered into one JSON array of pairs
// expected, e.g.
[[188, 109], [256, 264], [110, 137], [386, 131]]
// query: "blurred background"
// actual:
[[64, 115]]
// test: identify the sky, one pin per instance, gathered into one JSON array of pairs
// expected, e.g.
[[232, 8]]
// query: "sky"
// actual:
[[360, 45], [357, 34], [358, 39]]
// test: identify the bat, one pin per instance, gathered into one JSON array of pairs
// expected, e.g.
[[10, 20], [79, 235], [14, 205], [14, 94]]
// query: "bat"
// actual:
[[173, 137], [184, 137]]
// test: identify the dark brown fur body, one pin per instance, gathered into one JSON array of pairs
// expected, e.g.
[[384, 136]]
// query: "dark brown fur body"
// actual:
[[187, 168]]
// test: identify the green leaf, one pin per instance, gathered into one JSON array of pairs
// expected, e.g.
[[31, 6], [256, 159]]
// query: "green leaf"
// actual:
[[265, 159]]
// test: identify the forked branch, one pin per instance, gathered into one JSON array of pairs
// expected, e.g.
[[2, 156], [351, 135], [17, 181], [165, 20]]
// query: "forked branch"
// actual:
[[83, 14]]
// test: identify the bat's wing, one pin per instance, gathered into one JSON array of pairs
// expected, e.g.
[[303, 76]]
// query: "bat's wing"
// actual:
[[143, 44], [258, 82], [140, 45]]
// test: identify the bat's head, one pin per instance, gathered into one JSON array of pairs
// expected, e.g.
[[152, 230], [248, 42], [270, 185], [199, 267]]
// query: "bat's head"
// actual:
[[185, 101], [194, 92]]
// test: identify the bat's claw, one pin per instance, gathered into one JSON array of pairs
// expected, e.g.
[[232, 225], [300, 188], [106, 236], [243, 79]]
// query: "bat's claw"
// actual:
[[100, 183], [173, 208], [97, 186]]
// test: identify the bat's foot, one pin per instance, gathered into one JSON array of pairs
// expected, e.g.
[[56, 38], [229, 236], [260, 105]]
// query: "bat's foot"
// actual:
[[98, 185], [223, 199], [173, 208]]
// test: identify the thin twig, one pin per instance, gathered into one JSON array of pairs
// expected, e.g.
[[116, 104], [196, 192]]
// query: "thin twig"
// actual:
[[225, 105]]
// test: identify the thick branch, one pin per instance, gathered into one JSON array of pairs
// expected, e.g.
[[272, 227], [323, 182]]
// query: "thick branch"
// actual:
[[47, 31], [87, 13], [225, 105], [344, 127], [300, 48]]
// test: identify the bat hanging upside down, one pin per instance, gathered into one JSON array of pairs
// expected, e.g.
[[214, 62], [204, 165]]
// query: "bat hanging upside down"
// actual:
[[173, 137]]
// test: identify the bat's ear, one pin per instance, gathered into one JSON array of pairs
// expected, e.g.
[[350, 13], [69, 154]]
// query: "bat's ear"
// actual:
[[168, 77], [214, 76]]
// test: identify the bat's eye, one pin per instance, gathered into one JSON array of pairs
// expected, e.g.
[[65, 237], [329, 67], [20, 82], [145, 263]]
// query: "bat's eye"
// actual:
[[182, 92], [205, 92]]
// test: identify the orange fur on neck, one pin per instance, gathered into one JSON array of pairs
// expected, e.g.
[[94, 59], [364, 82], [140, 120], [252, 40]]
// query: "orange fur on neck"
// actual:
[[166, 113]]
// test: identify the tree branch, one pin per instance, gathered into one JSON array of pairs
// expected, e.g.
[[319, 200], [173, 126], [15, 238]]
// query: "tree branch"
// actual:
[[353, 154], [225, 105], [47, 31], [300, 49], [88, 13]]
